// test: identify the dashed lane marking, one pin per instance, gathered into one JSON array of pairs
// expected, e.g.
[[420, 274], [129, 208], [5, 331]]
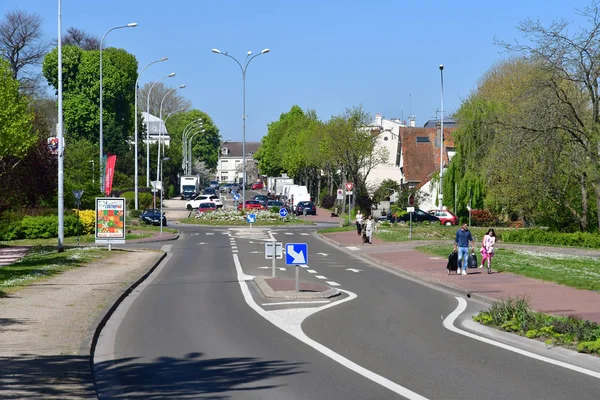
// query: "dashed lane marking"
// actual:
[[209, 233], [332, 283], [311, 271], [289, 233], [304, 233], [320, 277]]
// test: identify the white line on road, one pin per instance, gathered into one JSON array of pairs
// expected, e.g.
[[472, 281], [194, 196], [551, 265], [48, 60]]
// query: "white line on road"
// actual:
[[353, 248], [290, 321], [462, 306], [195, 234], [281, 269], [320, 277], [304, 233], [234, 251], [284, 303], [354, 270], [332, 283], [233, 247], [311, 271], [209, 233], [289, 233], [166, 247]]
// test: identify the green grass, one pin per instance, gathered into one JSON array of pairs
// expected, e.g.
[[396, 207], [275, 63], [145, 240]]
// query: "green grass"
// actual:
[[196, 221], [72, 240], [337, 229], [575, 271], [400, 232], [43, 262]]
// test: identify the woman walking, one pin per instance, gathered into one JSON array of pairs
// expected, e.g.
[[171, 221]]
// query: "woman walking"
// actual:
[[487, 249], [369, 225], [359, 220]]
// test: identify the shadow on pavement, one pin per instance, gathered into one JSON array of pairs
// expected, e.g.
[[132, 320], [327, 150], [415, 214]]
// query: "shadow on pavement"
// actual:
[[191, 376]]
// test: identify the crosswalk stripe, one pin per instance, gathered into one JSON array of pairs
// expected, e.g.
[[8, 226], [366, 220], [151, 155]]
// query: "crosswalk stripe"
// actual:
[[311, 271], [331, 283], [320, 277]]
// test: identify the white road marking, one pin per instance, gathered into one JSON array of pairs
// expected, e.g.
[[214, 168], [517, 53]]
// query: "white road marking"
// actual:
[[353, 248], [209, 233], [436, 258], [234, 247], [195, 234], [323, 254], [290, 321], [250, 241], [274, 233], [353, 270], [311, 271], [304, 233], [289, 233], [225, 233], [281, 269], [462, 306], [166, 247], [320, 277], [332, 283], [264, 267], [234, 251], [284, 303], [255, 252], [202, 243]]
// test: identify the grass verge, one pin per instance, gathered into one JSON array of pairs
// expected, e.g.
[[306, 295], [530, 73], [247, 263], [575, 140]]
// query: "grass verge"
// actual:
[[43, 262], [575, 271], [337, 229], [514, 315]]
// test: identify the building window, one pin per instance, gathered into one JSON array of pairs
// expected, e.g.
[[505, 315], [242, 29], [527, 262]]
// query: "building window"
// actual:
[[224, 178], [422, 139], [385, 138], [224, 151]]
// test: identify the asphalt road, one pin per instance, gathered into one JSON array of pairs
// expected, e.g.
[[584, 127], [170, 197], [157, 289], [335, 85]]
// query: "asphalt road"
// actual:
[[192, 334]]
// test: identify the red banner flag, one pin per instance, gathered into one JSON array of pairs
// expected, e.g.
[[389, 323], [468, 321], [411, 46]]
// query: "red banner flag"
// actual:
[[110, 172]]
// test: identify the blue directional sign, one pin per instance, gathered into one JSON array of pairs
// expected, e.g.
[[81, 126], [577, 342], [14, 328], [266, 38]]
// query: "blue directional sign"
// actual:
[[283, 212], [236, 196], [251, 218], [296, 253]]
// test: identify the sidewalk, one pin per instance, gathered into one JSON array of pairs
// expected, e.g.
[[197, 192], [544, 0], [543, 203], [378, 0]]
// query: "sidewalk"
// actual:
[[543, 296]]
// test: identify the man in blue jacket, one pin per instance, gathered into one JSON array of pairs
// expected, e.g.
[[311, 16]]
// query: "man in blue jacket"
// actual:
[[462, 241]]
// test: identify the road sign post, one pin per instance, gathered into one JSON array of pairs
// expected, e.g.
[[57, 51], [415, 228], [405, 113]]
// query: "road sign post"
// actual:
[[410, 210], [283, 213], [296, 254], [250, 218], [273, 251]]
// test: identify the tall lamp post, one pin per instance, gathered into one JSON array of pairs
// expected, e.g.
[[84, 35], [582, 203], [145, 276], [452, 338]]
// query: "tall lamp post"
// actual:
[[167, 118], [61, 196], [136, 127], [130, 25], [172, 74], [441, 136], [160, 129], [161, 194], [194, 124], [190, 147], [249, 58]]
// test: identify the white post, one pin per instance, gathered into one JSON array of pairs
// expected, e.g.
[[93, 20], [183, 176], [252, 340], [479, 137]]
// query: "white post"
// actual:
[[441, 137], [61, 221]]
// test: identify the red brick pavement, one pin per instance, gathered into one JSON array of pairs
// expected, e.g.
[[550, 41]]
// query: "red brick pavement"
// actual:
[[542, 296]]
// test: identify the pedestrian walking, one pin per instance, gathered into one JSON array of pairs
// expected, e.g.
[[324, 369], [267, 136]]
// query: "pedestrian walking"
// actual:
[[461, 243], [369, 226], [487, 249], [359, 221]]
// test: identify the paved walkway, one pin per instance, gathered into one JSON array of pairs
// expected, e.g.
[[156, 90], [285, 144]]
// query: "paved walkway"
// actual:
[[542, 296]]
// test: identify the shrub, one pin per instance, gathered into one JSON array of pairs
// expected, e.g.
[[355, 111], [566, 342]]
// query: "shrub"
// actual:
[[87, 219], [328, 201], [482, 218], [135, 213], [589, 347], [539, 236]]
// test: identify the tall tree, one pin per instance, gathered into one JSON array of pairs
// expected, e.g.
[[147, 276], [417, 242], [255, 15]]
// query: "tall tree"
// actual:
[[81, 39], [23, 46], [173, 102]]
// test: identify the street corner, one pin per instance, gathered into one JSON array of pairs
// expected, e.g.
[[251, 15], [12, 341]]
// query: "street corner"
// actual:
[[281, 288]]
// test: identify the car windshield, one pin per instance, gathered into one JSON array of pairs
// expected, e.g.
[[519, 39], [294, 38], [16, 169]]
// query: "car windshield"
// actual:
[[275, 203], [260, 197], [207, 205], [252, 202]]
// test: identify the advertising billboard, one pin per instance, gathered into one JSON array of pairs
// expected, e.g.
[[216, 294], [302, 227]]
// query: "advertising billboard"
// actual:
[[110, 220]]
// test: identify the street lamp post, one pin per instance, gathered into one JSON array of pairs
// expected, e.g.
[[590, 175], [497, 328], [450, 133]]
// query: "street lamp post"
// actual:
[[61, 196], [243, 69], [190, 148], [194, 124], [441, 136], [161, 195], [93, 172], [167, 118], [172, 74], [160, 126], [130, 25], [136, 127]]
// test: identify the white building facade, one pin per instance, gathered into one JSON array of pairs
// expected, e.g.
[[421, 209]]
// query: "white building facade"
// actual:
[[229, 165], [154, 128]]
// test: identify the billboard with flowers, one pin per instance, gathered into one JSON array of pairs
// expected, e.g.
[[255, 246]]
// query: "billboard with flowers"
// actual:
[[110, 220]]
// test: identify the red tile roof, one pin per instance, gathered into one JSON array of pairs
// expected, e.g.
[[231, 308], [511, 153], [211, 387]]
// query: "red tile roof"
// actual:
[[422, 159]]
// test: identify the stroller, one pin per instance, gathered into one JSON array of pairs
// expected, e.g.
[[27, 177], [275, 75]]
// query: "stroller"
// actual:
[[363, 235]]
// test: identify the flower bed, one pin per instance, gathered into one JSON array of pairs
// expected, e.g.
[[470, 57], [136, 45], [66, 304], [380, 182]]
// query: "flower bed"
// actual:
[[235, 216]]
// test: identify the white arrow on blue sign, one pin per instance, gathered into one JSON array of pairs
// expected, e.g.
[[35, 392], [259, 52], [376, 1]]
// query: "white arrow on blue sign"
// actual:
[[296, 253], [251, 218], [283, 212]]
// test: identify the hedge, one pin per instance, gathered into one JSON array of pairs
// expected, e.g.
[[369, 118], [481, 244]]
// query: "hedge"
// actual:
[[543, 237], [40, 227]]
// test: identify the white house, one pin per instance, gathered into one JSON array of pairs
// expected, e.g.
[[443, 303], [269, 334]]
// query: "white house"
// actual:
[[229, 166], [154, 127]]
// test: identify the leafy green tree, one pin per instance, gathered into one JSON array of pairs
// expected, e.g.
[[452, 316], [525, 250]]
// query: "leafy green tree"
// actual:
[[16, 133]]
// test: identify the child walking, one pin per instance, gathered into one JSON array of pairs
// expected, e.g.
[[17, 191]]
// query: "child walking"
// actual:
[[487, 249]]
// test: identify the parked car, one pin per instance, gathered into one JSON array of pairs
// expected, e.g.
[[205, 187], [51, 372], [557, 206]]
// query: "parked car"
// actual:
[[262, 198], [417, 216], [274, 203], [225, 188], [152, 216], [309, 206], [251, 205], [204, 198], [214, 184], [257, 186], [445, 217], [210, 190], [207, 207]]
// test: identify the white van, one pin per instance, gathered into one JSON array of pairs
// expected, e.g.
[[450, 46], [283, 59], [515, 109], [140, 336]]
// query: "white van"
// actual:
[[298, 193], [285, 192]]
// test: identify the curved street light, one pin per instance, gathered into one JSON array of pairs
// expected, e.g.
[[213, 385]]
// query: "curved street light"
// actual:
[[167, 117], [441, 136], [136, 127], [194, 124], [161, 195], [130, 25], [160, 129], [172, 74], [243, 69], [201, 130]]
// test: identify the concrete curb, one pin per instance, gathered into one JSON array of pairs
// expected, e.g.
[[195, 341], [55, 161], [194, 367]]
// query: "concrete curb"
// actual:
[[110, 311], [269, 293]]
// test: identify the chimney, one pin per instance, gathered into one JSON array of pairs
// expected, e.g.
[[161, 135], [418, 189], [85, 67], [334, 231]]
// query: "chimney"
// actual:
[[412, 121], [378, 119]]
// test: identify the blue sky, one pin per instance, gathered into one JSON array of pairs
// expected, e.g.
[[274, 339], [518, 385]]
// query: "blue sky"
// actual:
[[325, 55]]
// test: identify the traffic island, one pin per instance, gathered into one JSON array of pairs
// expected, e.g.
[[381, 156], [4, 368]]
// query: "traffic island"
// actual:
[[281, 288]]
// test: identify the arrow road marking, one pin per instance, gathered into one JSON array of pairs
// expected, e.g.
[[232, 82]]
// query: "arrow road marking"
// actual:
[[298, 257], [353, 270]]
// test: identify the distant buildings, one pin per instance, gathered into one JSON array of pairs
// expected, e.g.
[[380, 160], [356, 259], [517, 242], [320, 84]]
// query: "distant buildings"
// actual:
[[230, 167]]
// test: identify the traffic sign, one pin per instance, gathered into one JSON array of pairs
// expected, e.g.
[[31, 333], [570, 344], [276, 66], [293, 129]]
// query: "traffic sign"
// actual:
[[349, 186], [283, 212], [236, 196], [251, 218], [340, 194], [410, 209], [269, 250], [411, 200], [296, 253]]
